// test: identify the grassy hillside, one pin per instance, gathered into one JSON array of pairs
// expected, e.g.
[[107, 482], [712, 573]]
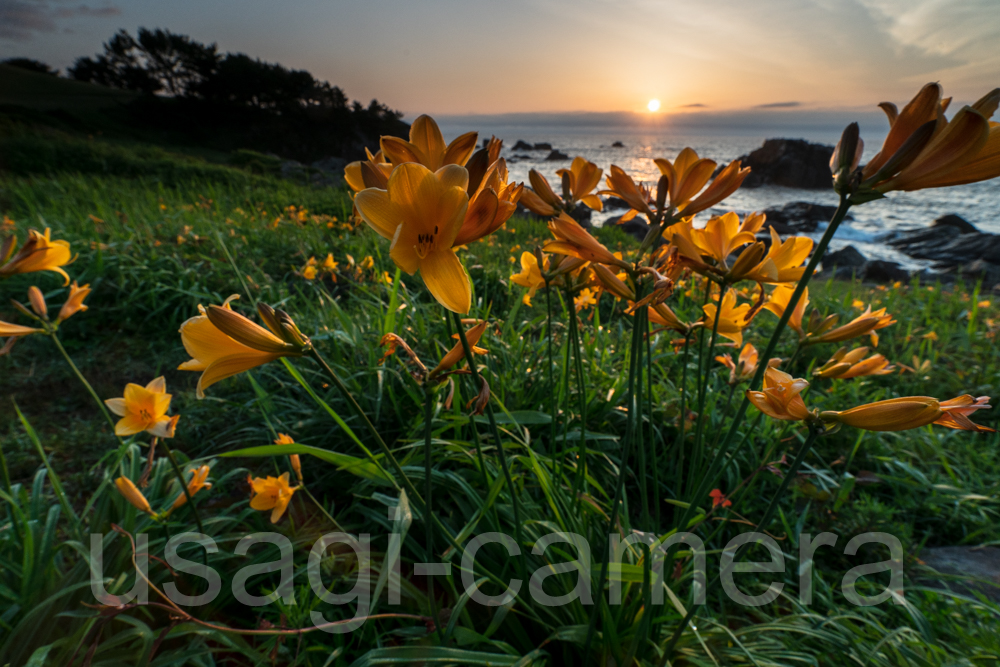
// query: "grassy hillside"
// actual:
[[41, 92]]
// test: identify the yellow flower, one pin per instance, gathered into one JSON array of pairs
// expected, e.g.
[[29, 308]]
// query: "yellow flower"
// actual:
[[925, 150], [40, 253], [778, 301], [309, 273], [574, 241], [144, 409], [721, 236], [901, 414], [74, 303], [578, 181], [732, 318], [133, 495], [197, 482], [422, 211], [930, 335], [457, 352], [780, 398], [688, 174], [846, 365], [271, 493], [867, 323], [584, 299], [329, 264], [783, 262], [530, 275], [426, 146], [294, 459], [241, 346]]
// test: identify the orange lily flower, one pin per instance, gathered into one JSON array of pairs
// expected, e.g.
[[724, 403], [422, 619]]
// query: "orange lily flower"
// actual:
[[457, 352], [778, 301], [687, 176], [371, 173], [422, 211], [744, 368], [491, 204], [578, 182], [925, 150], [784, 259], [846, 365], [426, 146], [40, 253], [292, 458], [867, 323], [74, 303], [585, 299], [530, 275], [198, 481], [133, 495], [719, 499], [732, 318], [721, 236], [144, 409], [223, 343], [621, 185], [901, 414], [575, 241], [271, 493], [780, 397]]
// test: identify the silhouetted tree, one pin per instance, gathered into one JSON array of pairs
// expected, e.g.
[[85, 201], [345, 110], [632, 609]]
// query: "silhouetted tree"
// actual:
[[31, 65]]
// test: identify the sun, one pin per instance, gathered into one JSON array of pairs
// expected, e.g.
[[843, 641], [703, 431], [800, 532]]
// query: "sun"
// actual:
[[654, 105]]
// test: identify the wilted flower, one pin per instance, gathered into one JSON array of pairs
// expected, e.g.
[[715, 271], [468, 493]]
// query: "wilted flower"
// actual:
[[271, 493], [846, 365], [223, 343], [780, 397], [144, 409], [426, 146], [40, 253], [198, 481], [457, 352], [421, 212]]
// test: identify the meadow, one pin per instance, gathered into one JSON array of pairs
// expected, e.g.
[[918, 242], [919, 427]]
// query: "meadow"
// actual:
[[158, 232]]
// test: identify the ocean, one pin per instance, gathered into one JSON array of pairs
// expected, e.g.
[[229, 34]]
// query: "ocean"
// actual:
[[979, 203]]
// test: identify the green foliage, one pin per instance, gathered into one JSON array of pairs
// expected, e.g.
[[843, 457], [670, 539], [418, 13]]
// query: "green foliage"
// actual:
[[154, 247]]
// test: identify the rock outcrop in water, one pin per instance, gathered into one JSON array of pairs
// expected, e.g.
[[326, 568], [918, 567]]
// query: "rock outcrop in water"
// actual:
[[798, 217], [791, 163], [956, 247]]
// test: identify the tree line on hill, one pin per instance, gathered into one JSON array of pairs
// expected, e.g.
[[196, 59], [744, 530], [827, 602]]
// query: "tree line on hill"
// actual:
[[190, 92]]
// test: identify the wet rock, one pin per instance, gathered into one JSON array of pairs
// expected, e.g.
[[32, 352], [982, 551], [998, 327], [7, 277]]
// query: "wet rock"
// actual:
[[846, 257], [618, 144], [542, 146], [556, 155], [956, 221], [798, 217], [980, 565], [615, 202], [581, 214], [522, 145], [881, 271], [637, 228], [946, 246], [792, 163], [979, 269]]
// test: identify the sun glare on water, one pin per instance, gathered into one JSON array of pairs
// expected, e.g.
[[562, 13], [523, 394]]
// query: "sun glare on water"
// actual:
[[654, 105]]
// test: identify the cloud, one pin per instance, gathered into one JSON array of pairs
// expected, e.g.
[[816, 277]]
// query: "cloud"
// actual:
[[696, 105], [779, 105], [20, 21]]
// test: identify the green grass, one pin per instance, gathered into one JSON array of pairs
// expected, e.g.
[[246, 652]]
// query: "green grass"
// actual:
[[42, 92], [153, 241]]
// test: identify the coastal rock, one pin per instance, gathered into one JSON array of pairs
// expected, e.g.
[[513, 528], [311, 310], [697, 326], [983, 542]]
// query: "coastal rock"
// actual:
[[881, 271], [635, 227], [522, 145], [618, 144], [556, 155], [542, 146], [979, 269], [798, 217], [581, 214], [946, 246], [615, 202], [792, 163], [846, 257], [956, 221], [980, 564]]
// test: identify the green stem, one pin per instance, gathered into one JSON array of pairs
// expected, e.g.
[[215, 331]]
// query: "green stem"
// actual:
[[581, 456], [553, 394], [619, 486], [704, 365], [321, 508], [183, 483], [470, 359], [429, 500], [79, 375], [6, 473], [640, 444], [682, 418], [654, 458]]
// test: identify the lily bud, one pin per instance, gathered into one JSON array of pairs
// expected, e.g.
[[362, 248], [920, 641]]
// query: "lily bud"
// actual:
[[746, 262], [845, 158], [133, 495], [894, 414], [662, 190], [38, 302], [7, 248], [610, 282]]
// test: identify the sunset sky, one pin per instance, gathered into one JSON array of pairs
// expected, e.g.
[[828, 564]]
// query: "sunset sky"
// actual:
[[465, 56]]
